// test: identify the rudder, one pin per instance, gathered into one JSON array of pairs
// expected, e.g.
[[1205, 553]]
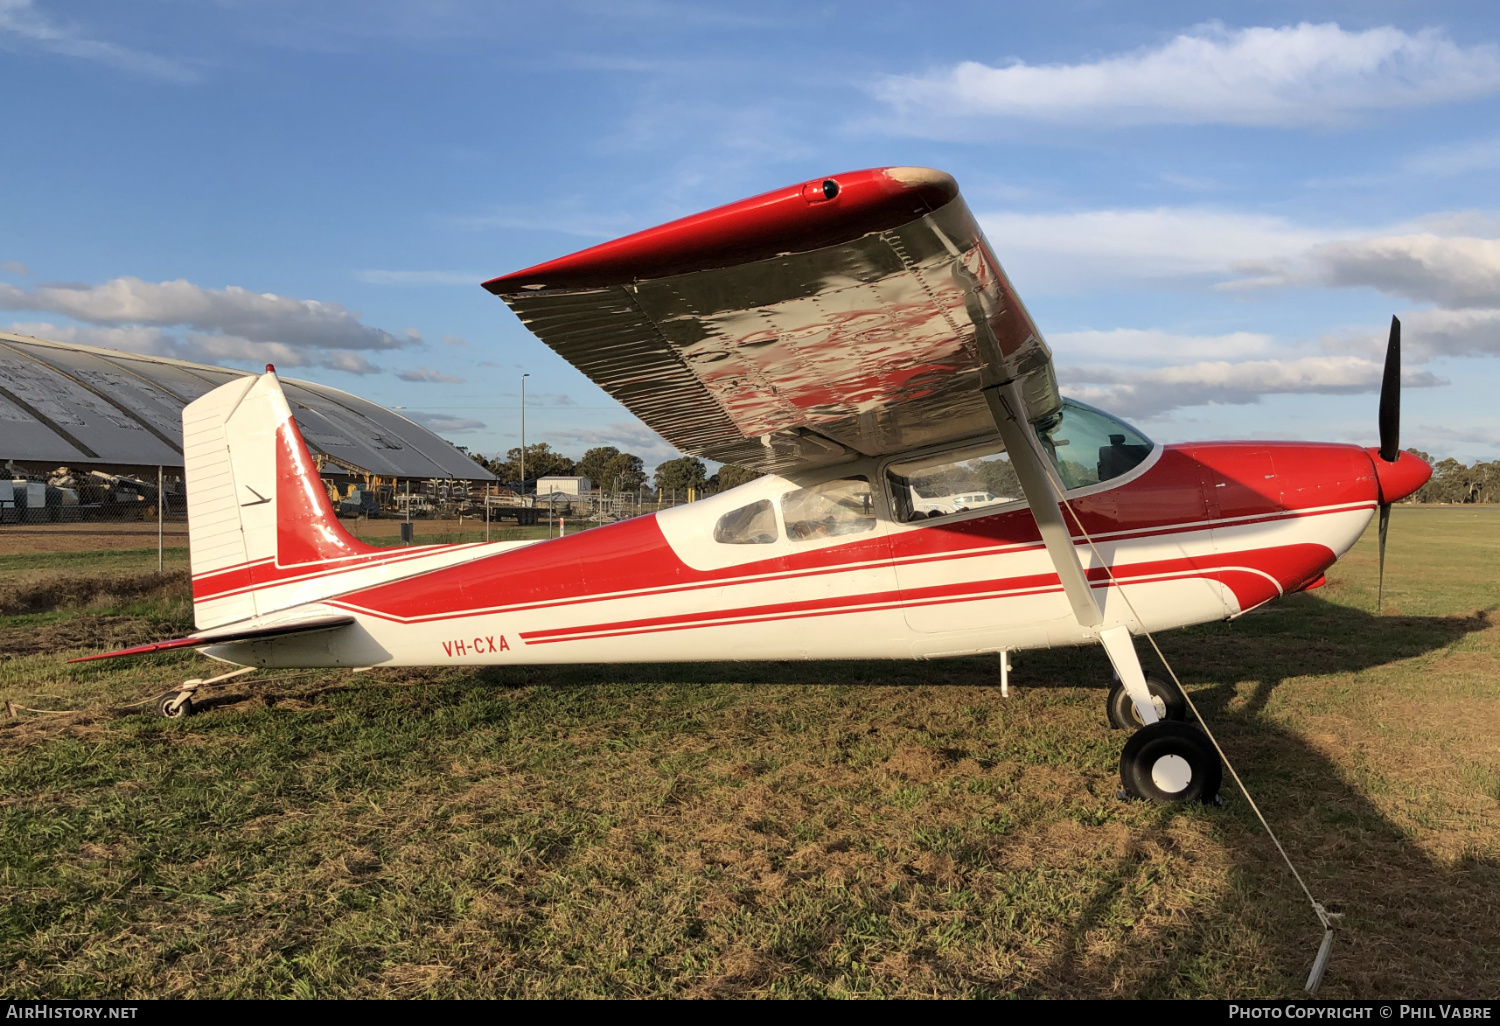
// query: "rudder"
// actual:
[[255, 502]]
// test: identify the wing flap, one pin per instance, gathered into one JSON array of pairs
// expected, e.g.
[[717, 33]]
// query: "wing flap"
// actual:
[[321, 623]]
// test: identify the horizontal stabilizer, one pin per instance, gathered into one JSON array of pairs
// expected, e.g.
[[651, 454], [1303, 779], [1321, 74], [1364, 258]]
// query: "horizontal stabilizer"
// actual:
[[279, 630]]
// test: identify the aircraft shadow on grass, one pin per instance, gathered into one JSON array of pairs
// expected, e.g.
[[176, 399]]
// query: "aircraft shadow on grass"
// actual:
[[1416, 925]]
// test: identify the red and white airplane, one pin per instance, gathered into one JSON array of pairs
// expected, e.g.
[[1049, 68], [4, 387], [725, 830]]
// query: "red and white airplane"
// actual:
[[927, 491]]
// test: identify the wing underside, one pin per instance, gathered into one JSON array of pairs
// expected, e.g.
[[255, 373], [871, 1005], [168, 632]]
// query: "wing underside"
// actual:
[[876, 343]]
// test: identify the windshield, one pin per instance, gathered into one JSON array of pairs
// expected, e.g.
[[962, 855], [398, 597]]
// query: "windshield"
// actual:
[[1089, 446]]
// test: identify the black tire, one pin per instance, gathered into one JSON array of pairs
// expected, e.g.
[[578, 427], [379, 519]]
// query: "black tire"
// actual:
[[165, 707], [1170, 705], [1170, 763]]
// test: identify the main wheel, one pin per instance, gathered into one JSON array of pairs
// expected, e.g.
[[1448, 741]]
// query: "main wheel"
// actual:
[[166, 708], [1170, 762], [1170, 705]]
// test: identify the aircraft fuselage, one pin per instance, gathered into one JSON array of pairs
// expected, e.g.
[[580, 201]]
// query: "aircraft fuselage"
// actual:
[[1195, 533]]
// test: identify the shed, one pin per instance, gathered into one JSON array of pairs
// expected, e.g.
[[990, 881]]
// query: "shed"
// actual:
[[572, 487]]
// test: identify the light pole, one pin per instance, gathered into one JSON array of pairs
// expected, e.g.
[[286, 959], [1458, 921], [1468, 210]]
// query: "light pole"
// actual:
[[523, 439]]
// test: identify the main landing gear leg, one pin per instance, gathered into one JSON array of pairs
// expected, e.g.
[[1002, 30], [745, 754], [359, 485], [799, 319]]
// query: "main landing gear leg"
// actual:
[[1165, 760], [174, 705], [1121, 650]]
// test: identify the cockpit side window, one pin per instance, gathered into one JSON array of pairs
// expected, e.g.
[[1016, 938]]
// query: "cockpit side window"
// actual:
[[754, 524], [950, 483], [829, 509], [1089, 446]]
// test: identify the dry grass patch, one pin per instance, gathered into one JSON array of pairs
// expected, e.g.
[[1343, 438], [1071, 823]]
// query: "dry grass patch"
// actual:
[[766, 829]]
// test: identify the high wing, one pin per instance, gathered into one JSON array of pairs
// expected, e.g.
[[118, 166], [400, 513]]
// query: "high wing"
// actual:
[[857, 314]]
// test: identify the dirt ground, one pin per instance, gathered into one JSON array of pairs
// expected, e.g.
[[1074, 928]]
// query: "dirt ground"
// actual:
[[94, 537], [135, 534]]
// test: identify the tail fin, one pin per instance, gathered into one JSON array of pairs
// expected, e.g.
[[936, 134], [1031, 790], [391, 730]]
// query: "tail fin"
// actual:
[[255, 503]]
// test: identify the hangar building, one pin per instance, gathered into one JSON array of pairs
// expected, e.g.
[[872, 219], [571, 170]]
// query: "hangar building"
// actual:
[[102, 409]]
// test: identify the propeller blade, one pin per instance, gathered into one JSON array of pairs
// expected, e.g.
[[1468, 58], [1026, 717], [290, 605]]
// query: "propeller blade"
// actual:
[[1390, 397], [1385, 523], [1390, 437]]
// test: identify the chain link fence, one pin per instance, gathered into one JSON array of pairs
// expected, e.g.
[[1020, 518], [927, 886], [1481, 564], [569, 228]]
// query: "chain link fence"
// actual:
[[69, 509]]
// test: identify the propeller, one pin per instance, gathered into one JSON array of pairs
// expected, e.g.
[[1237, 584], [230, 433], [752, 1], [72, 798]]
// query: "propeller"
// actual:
[[1390, 437]]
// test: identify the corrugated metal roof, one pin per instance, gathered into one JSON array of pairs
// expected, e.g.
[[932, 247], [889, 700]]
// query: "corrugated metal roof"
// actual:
[[71, 404]]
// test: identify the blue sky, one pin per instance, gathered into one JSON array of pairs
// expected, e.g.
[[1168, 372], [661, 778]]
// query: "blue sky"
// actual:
[[1212, 210]]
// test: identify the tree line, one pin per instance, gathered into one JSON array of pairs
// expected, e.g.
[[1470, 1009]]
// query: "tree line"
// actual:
[[611, 470], [1452, 481]]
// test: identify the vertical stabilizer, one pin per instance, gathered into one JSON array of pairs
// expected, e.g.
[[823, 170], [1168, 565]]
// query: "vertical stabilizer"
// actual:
[[256, 506]]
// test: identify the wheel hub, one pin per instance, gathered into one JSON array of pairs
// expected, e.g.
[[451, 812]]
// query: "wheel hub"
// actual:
[[1171, 773]]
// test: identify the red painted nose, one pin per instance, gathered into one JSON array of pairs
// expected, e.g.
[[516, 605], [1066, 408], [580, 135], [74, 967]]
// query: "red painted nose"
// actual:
[[1398, 480]]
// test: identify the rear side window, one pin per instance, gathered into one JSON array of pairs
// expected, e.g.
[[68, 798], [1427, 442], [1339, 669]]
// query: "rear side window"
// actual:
[[953, 482], [829, 509], [754, 524]]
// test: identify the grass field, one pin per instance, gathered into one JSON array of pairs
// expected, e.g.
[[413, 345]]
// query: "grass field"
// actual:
[[754, 829]]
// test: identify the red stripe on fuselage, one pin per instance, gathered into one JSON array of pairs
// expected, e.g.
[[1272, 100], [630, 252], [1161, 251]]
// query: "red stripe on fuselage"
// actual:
[[360, 601], [267, 573], [1252, 584], [1179, 494]]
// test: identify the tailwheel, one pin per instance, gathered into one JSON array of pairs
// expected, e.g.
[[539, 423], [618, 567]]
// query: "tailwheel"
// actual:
[[1169, 762], [1169, 703], [172, 709]]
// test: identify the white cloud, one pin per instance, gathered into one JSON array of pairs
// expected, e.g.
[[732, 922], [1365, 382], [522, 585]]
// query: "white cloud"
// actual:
[[198, 347], [1151, 392], [1481, 223], [146, 341], [1451, 332], [1441, 258], [1452, 272], [1427, 335], [1063, 252], [1444, 436], [630, 436], [422, 277], [21, 23], [1294, 75], [15, 267], [233, 311], [454, 340], [427, 374], [1135, 345]]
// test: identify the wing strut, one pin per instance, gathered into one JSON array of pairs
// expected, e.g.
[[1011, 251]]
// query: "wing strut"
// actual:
[[1044, 492]]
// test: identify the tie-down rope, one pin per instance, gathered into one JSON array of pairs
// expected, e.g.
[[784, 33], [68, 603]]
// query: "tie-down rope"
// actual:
[[1320, 963]]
